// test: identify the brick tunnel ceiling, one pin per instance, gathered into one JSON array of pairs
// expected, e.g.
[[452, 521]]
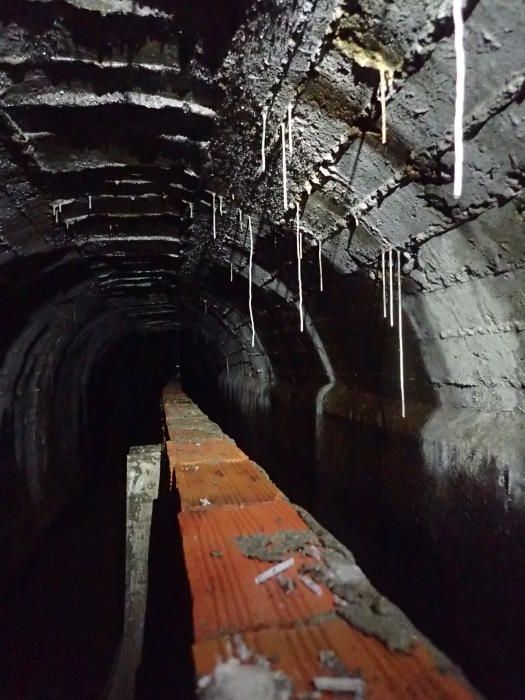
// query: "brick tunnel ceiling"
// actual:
[[115, 115]]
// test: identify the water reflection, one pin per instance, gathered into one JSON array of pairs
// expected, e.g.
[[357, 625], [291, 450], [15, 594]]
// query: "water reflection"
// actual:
[[448, 547]]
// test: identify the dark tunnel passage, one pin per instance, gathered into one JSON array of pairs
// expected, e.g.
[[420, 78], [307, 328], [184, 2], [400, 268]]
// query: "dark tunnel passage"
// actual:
[[64, 616], [256, 199]]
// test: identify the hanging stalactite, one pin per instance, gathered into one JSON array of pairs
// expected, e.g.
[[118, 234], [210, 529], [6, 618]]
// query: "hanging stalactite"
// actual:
[[382, 93], [290, 134], [214, 215], [299, 275], [320, 248], [400, 328], [391, 282], [460, 96], [263, 139], [383, 276], [285, 182], [190, 207], [250, 300]]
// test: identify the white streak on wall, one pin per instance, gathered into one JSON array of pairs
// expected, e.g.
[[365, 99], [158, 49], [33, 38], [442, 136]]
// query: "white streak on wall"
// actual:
[[460, 96], [250, 280], [231, 272], [240, 219], [90, 202], [221, 205], [285, 183], [400, 326]]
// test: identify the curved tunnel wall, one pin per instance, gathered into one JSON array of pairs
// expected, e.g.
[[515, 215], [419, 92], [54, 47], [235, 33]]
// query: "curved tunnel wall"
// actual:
[[104, 146]]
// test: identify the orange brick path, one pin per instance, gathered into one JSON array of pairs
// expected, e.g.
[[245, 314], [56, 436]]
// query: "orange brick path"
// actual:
[[224, 496]]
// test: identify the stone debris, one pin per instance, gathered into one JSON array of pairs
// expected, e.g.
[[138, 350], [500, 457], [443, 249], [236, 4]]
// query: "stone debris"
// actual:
[[286, 583], [329, 660], [311, 585], [274, 571], [275, 547], [233, 680], [330, 684]]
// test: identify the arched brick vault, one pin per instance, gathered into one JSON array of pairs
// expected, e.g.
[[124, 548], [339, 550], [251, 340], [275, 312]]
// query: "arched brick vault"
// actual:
[[115, 114]]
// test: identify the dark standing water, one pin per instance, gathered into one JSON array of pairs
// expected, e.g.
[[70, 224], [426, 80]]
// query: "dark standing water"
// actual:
[[448, 548]]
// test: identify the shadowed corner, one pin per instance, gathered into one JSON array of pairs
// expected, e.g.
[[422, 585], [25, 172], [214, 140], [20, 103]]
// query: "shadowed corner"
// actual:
[[167, 668]]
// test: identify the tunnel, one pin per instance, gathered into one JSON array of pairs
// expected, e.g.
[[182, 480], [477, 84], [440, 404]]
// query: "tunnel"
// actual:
[[253, 201]]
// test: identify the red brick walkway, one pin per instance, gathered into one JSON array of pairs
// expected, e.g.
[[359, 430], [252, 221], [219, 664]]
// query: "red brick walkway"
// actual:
[[225, 496]]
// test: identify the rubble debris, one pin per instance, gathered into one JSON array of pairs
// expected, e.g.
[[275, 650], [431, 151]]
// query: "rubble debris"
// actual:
[[311, 585], [275, 547], [274, 570], [233, 680], [286, 583], [331, 684]]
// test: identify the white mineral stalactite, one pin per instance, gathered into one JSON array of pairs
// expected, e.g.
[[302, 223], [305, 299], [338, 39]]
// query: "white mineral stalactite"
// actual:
[[231, 272], [400, 327], [240, 219], [285, 182], [320, 246], [190, 207], [290, 135], [299, 232], [90, 202], [263, 140], [460, 96], [382, 94], [227, 366], [221, 205], [391, 276], [250, 300], [299, 276], [383, 275], [214, 215]]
